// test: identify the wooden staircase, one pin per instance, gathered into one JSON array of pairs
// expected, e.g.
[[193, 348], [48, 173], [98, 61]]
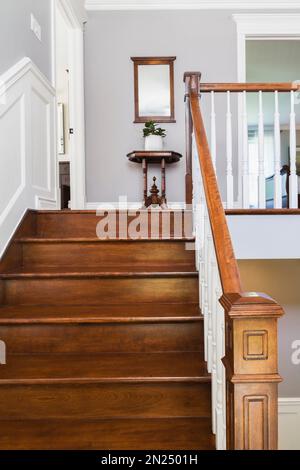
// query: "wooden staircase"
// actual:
[[104, 341]]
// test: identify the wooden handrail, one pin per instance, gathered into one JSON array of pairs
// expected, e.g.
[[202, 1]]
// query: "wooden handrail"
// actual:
[[228, 268], [251, 351], [249, 87]]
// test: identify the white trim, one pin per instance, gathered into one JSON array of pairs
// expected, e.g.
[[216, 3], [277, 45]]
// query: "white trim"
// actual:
[[17, 71], [191, 5], [67, 9], [76, 76], [289, 423], [263, 26], [106, 206]]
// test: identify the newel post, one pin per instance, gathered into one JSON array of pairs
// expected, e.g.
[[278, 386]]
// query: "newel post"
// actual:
[[251, 363], [192, 84]]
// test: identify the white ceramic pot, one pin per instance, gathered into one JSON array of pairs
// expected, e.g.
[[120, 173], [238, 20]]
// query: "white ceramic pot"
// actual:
[[154, 142]]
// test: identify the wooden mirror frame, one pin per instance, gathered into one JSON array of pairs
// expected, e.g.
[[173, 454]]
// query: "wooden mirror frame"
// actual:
[[153, 61]]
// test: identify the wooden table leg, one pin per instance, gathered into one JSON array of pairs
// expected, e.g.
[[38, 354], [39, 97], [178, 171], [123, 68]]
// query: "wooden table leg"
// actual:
[[163, 181], [145, 176]]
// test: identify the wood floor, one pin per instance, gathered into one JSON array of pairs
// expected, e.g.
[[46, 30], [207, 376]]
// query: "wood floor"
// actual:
[[104, 340]]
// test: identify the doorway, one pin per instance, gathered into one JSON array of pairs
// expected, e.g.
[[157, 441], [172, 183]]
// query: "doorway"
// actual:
[[271, 60], [266, 30], [69, 84]]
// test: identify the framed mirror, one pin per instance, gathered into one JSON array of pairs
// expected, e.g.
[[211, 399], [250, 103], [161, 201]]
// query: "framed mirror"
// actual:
[[154, 89]]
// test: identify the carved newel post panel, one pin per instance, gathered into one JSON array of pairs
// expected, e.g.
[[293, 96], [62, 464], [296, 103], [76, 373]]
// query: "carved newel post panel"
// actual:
[[251, 362]]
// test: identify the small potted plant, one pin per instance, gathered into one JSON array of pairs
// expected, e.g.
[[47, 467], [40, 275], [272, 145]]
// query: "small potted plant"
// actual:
[[153, 136]]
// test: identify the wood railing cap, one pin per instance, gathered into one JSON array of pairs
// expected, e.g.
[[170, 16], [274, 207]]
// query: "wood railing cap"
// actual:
[[251, 87], [191, 74], [251, 304]]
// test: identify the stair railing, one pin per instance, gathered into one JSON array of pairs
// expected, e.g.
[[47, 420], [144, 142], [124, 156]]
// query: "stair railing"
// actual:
[[240, 328], [270, 114]]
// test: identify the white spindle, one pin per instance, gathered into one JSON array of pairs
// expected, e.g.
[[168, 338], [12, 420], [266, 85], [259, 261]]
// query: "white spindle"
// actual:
[[229, 174], [293, 196], [277, 157], [223, 443], [261, 152], [204, 293], [209, 299], [213, 138], [221, 392], [245, 157], [214, 281]]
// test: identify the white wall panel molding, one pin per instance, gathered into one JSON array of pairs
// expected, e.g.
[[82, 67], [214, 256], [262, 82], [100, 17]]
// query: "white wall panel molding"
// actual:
[[13, 116], [289, 423], [27, 145], [43, 203], [190, 4]]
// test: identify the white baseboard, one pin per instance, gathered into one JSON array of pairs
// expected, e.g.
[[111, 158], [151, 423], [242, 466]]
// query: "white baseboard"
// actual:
[[93, 206], [289, 423], [106, 206]]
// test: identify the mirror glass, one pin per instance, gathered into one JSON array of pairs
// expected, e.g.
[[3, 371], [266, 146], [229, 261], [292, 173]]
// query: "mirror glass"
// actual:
[[154, 90]]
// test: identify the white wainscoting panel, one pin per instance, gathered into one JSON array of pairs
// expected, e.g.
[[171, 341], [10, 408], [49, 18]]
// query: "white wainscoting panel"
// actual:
[[28, 176], [289, 423]]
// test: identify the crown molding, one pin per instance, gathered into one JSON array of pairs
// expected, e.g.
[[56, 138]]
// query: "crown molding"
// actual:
[[268, 23], [191, 5]]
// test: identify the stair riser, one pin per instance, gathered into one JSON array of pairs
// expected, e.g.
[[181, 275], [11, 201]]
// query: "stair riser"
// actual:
[[83, 225], [100, 291], [107, 254], [123, 434], [83, 339], [102, 401]]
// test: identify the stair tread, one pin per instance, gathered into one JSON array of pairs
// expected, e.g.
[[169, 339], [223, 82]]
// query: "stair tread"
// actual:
[[148, 312], [61, 239], [104, 368], [176, 433], [103, 271]]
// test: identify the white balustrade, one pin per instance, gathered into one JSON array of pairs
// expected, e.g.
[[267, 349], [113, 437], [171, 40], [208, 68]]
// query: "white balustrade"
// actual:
[[210, 292], [261, 153]]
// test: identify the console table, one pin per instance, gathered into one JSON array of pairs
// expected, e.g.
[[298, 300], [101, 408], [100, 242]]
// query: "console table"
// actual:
[[159, 157]]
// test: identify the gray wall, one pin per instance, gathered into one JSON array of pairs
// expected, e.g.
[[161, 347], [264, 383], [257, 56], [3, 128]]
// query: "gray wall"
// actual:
[[280, 279], [204, 41], [16, 38]]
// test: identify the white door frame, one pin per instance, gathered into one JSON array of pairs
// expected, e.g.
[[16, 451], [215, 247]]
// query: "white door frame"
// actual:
[[276, 26], [76, 105]]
